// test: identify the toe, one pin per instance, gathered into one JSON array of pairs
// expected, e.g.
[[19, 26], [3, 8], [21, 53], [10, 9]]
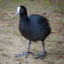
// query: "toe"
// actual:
[[18, 55], [43, 56], [40, 56], [37, 57], [26, 55]]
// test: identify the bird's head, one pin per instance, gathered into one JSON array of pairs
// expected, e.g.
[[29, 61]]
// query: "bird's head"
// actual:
[[21, 10]]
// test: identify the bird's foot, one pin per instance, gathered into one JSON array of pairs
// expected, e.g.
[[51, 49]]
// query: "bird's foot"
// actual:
[[40, 56], [21, 54]]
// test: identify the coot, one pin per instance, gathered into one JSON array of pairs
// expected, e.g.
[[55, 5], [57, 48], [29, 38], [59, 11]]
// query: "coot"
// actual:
[[34, 28]]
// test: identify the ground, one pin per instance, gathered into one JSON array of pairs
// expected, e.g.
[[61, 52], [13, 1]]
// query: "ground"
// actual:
[[12, 42]]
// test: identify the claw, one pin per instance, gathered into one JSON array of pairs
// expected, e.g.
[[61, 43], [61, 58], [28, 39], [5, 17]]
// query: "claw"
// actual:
[[21, 54], [43, 56], [40, 56]]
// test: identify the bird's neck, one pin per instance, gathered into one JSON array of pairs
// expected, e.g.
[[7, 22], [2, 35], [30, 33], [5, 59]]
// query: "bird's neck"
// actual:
[[24, 17]]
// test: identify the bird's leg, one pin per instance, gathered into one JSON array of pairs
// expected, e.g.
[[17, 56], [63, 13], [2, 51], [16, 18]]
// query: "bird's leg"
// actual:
[[28, 49], [26, 53], [43, 54]]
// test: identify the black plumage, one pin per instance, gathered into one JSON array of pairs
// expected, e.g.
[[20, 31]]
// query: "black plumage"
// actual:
[[33, 27]]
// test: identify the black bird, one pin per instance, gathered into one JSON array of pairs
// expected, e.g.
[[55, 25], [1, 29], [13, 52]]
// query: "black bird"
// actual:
[[34, 28]]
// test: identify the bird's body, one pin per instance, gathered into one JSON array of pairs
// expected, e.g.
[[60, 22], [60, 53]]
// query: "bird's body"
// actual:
[[34, 28]]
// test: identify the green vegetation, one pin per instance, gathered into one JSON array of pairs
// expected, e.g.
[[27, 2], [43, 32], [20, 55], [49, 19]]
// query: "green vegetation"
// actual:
[[58, 9], [62, 21], [49, 7], [8, 24], [21, 59], [32, 0], [33, 48], [0, 1], [18, 1], [10, 9], [4, 12], [53, 39], [55, 13], [60, 2], [47, 2], [16, 33], [15, 17], [21, 1], [52, 60], [52, 25], [31, 5], [33, 11], [48, 43], [54, 30]]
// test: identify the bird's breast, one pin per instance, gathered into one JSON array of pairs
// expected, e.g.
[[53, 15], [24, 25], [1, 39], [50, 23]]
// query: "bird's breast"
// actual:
[[31, 33]]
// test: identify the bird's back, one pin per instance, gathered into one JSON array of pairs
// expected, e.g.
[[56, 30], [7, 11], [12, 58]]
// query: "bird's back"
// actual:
[[40, 26]]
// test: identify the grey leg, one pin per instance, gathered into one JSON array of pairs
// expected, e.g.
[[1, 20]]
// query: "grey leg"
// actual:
[[26, 53], [43, 54], [29, 46], [28, 49]]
